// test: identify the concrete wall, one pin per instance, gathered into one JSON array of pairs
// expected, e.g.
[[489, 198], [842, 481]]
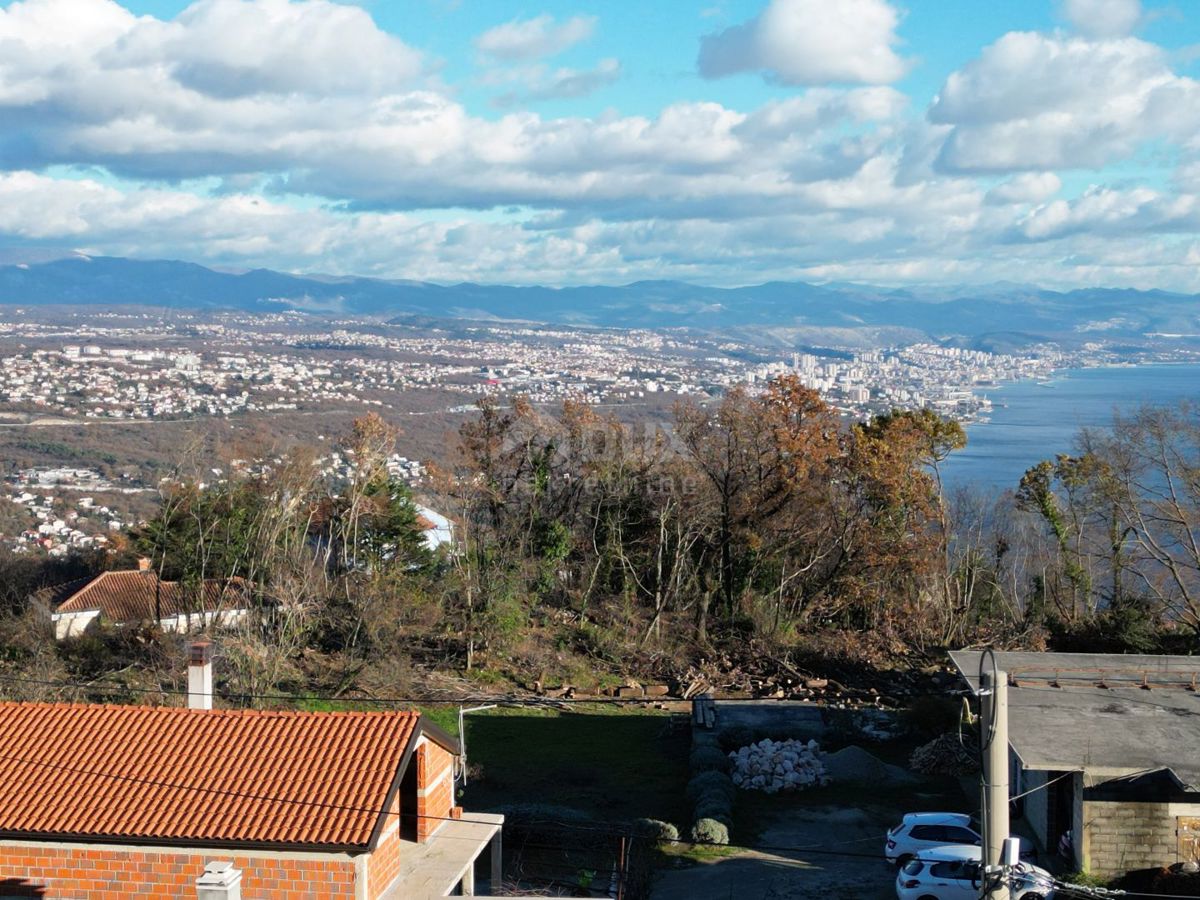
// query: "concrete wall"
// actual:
[[182, 623], [1036, 806], [1122, 836], [73, 624], [798, 718]]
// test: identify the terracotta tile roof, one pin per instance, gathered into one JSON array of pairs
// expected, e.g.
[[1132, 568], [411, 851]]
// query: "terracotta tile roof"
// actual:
[[54, 595], [207, 777], [129, 596]]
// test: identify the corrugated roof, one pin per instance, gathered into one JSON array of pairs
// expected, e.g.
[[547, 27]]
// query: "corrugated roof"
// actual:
[[134, 596], [170, 775]]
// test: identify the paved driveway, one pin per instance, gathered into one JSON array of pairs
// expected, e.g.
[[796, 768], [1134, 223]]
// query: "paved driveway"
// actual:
[[780, 875]]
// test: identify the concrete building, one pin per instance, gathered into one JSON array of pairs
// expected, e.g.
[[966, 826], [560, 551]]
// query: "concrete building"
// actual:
[[137, 596], [1104, 747], [437, 530], [122, 801]]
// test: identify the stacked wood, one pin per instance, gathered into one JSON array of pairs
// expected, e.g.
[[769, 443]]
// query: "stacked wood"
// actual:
[[948, 754]]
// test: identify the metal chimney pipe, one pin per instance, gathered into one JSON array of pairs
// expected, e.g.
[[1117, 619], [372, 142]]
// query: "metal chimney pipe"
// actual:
[[200, 679]]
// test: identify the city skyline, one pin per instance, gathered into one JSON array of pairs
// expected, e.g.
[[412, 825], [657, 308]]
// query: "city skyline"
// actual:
[[1043, 141]]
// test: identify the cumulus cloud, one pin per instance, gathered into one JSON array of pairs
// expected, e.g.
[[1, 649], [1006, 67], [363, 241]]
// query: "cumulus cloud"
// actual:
[[536, 38], [810, 42], [156, 99], [1105, 211], [1102, 18], [563, 83], [1036, 102], [265, 101], [1028, 187]]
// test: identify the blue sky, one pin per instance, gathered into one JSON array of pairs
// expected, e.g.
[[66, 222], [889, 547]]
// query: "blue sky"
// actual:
[[1048, 141]]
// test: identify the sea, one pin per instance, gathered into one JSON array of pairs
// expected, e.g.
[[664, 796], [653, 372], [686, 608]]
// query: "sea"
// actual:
[[1032, 421]]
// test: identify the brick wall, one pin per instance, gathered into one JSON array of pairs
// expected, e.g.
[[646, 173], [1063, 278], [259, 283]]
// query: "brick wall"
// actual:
[[1121, 836], [384, 864], [435, 787], [115, 873]]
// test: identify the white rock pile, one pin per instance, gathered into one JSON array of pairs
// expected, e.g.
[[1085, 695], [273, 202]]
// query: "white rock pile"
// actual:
[[774, 766]]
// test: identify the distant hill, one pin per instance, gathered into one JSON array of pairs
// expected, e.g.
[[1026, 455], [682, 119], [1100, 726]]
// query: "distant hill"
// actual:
[[999, 315]]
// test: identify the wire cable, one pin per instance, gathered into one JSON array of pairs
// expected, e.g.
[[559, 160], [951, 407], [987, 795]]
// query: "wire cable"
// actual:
[[598, 828], [1080, 890], [298, 698]]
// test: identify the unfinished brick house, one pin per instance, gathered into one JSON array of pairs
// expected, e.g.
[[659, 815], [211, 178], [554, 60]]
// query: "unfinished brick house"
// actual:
[[114, 801]]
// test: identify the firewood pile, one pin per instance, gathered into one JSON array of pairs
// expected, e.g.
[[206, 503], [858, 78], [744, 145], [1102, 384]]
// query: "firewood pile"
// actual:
[[772, 677], [947, 755]]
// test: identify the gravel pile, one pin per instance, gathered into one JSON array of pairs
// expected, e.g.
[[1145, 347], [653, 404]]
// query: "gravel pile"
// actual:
[[775, 766]]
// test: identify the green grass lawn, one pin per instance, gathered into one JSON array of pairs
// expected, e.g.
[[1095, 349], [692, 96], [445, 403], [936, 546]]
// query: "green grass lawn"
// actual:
[[612, 763]]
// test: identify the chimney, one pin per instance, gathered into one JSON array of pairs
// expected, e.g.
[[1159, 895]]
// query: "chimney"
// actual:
[[220, 881], [200, 675], [143, 564]]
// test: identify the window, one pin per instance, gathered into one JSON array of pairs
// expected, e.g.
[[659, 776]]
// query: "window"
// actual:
[[955, 870], [913, 867], [955, 834], [926, 833]]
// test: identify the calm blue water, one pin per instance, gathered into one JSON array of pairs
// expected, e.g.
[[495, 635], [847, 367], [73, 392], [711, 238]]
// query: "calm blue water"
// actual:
[[1038, 422]]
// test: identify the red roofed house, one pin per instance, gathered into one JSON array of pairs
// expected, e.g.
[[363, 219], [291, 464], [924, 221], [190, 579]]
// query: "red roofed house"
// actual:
[[103, 801], [138, 595]]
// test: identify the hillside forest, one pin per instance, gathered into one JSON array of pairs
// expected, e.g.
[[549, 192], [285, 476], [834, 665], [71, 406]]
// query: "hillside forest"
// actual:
[[588, 551]]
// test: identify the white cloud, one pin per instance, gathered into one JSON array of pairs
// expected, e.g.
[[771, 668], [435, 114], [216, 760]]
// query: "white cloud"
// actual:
[[1036, 102], [1104, 211], [264, 100], [562, 83], [1027, 187], [810, 42], [1102, 18], [174, 100], [536, 38]]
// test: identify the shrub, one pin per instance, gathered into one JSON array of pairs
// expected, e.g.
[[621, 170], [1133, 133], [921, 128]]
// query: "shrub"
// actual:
[[707, 782], [715, 808], [713, 796], [655, 829], [710, 831], [708, 759]]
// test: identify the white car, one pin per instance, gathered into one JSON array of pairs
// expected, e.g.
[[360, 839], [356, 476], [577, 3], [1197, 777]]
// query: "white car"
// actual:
[[920, 831], [953, 873]]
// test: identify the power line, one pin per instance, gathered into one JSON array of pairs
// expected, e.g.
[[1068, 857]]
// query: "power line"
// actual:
[[1041, 787], [297, 698], [1080, 890], [598, 828]]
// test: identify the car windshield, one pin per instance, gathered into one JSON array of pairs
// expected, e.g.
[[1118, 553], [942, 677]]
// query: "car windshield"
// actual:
[[913, 867], [975, 825]]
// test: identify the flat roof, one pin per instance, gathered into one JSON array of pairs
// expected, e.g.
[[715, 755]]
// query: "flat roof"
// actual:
[[1107, 715]]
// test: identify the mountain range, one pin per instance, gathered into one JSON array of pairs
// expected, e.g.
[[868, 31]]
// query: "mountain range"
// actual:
[[993, 316]]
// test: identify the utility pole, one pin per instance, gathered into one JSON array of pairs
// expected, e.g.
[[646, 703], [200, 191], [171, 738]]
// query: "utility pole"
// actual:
[[994, 717]]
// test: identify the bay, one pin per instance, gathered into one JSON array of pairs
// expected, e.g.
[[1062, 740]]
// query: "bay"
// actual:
[[1039, 420]]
